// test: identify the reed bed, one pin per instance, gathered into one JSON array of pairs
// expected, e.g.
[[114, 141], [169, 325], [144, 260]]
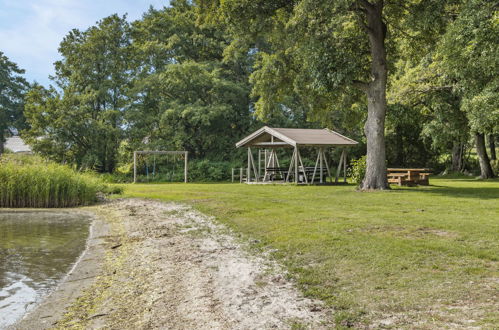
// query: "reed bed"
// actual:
[[30, 181]]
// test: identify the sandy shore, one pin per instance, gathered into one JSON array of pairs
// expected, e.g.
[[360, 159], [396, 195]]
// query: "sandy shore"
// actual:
[[152, 265]]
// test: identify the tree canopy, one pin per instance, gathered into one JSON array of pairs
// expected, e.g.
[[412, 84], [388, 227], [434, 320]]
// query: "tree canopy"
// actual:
[[12, 89], [412, 80]]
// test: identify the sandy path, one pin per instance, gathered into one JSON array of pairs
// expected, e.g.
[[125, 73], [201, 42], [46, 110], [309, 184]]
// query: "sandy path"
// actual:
[[167, 266]]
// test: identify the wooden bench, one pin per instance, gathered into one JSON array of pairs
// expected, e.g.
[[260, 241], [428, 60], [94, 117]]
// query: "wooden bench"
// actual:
[[409, 176]]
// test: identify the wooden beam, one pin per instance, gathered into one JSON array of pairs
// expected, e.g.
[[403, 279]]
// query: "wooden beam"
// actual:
[[259, 161], [186, 166], [338, 170], [321, 156], [327, 165], [272, 144], [296, 164], [160, 152], [303, 167], [135, 167], [253, 165], [278, 165], [248, 173], [344, 166], [267, 164], [315, 167], [290, 166]]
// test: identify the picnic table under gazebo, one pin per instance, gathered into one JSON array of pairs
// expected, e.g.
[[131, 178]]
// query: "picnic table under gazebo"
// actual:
[[269, 139]]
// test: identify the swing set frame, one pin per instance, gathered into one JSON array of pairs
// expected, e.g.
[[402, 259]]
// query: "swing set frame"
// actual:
[[160, 152]]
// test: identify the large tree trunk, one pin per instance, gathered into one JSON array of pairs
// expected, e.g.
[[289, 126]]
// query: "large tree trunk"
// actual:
[[483, 158], [457, 157], [374, 128], [492, 146]]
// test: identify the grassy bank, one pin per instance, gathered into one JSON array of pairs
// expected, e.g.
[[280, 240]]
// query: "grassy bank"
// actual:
[[425, 256], [29, 181]]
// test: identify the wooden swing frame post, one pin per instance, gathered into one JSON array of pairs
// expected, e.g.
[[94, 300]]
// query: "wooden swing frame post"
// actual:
[[160, 152]]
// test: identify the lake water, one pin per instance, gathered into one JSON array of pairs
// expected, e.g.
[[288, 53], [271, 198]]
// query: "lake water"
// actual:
[[37, 249]]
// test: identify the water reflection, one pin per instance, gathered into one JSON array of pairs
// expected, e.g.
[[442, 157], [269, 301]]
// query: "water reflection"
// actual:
[[36, 250]]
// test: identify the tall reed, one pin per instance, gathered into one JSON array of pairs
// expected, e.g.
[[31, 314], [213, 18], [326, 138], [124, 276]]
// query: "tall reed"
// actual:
[[30, 181]]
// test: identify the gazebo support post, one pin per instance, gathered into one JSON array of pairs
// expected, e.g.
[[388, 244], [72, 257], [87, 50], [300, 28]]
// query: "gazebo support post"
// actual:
[[340, 164], [296, 164], [345, 166], [303, 167], [291, 165], [321, 152], [316, 164], [267, 165], [278, 165], [252, 160], [327, 165], [134, 167], [259, 162], [248, 171]]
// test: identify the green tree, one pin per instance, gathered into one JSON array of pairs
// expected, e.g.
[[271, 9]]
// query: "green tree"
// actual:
[[336, 52], [84, 122], [12, 89], [183, 96], [432, 105], [467, 54]]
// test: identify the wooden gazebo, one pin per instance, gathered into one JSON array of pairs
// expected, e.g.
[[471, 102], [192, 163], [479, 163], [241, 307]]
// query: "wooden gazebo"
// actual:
[[268, 139]]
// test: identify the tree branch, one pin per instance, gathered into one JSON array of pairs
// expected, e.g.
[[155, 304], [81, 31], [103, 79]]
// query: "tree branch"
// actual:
[[366, 4]]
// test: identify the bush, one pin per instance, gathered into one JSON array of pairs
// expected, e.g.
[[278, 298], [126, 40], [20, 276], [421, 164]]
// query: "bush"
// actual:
[[30, 181], [357, 169], [495, 166], [208, 171], [199, 171]]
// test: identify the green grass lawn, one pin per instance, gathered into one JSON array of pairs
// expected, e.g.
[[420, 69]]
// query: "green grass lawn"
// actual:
[[420, 257]]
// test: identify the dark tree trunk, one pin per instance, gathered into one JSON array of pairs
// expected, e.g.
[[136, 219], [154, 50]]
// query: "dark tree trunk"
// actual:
[[374, 128], [485, 168], [399, 159], [457, 157], [2, 142], [492, 146]]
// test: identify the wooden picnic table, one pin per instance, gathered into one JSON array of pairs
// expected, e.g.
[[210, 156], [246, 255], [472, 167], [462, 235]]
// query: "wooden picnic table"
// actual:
[[409, 176], [282, 172]]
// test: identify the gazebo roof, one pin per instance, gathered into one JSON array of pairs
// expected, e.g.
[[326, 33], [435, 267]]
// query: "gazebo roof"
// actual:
[[292, 137]]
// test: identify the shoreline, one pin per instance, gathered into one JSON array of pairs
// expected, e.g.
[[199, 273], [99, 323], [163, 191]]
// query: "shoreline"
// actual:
[[156, 265], [81, 275]]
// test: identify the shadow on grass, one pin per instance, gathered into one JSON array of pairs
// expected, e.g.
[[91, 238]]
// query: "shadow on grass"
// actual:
[[458, 192]]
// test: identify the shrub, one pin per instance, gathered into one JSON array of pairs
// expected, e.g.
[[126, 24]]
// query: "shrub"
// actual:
[[357, 169], [199, 171], [30, 181], [495, 166]]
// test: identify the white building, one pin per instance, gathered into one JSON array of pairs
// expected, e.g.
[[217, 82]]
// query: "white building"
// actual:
[[17, 145]]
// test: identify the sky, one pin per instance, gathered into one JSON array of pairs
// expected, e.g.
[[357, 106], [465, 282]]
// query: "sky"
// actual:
[[31, 30]]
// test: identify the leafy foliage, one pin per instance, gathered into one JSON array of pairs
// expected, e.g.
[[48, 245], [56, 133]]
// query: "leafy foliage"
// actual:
[[198, 76], [83, 123], [357, 171], [12, 89]]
